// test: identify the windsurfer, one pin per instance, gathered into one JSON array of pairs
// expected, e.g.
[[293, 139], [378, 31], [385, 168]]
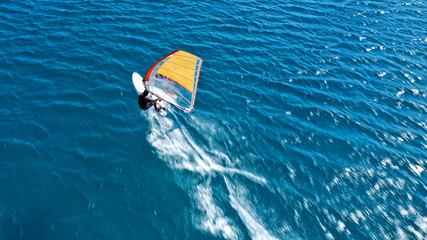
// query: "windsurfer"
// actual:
[[146, 100], [173, 79]]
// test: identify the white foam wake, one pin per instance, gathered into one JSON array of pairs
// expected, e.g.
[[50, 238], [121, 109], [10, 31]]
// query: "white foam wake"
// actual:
[[171, 139], [180, 151], [214, 220], [246, 213]]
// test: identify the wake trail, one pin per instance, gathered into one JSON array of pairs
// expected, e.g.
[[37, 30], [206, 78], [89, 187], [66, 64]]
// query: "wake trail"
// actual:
[[179, 150], [171, 138]]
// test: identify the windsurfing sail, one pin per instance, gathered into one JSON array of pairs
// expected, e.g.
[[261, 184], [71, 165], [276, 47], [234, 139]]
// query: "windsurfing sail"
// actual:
[[175, 78]]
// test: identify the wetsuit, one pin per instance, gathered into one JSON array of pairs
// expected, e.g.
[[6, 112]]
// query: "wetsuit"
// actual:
[[144, 101]]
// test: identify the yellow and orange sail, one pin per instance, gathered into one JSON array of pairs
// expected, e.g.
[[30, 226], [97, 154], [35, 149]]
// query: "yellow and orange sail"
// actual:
[[174, 78]]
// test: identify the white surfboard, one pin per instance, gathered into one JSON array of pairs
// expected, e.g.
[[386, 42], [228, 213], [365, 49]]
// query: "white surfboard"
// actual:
[[137, 83], [140, 88]]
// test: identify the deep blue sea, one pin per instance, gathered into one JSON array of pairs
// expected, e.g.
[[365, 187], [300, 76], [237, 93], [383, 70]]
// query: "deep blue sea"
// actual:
[[310, 121]]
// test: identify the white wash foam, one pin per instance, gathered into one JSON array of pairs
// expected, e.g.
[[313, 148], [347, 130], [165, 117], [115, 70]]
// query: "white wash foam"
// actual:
[[214, 220], [180, 151], [246, 212]]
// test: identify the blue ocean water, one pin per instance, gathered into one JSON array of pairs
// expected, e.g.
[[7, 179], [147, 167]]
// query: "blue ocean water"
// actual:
[[310, 121]]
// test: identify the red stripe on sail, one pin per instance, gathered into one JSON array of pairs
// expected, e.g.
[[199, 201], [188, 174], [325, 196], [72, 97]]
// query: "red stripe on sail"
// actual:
[[147, 75]]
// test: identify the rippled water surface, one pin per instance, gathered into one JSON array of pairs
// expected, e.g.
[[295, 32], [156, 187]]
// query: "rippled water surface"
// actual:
[[310, 121]]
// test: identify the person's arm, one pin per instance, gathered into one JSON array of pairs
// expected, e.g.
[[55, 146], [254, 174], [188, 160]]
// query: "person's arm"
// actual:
[[153, 101], [151, 98]]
